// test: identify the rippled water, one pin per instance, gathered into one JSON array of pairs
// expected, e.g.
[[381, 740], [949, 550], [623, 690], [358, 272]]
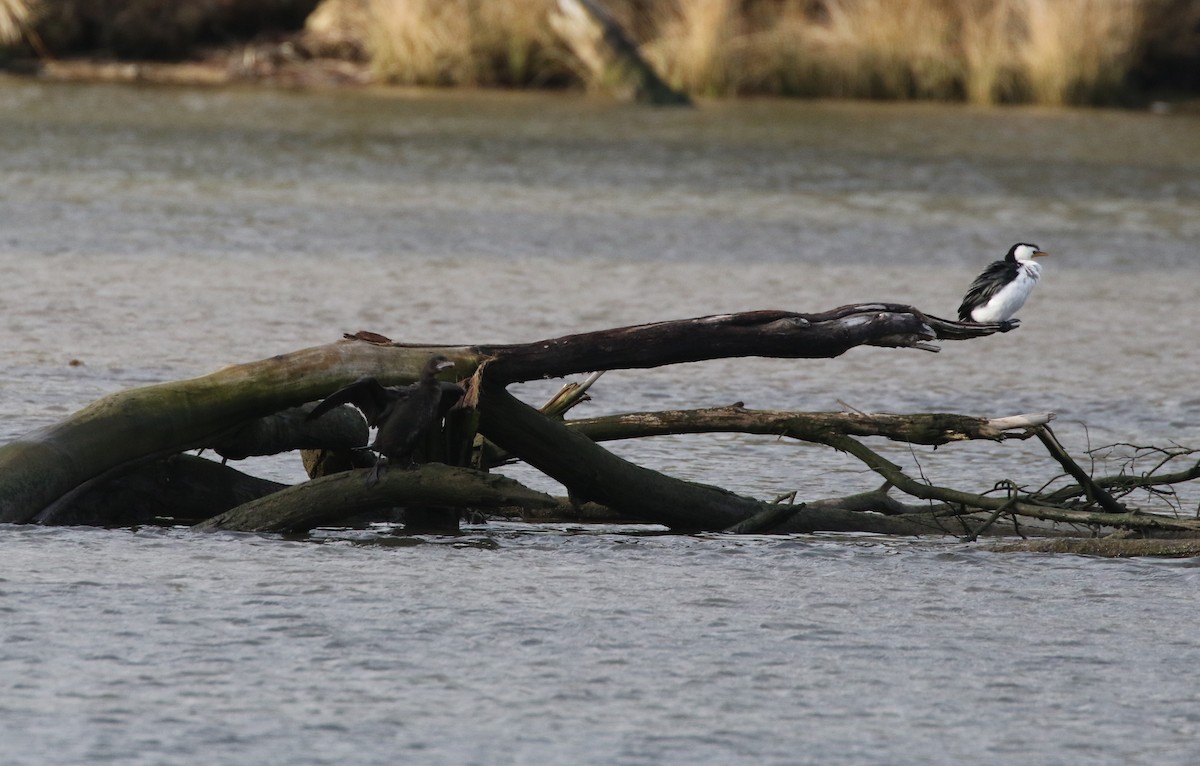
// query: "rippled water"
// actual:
[[154, 234]]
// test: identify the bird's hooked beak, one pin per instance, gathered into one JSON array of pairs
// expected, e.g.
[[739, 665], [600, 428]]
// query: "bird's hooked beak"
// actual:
[[1039, 254], [444, 364]]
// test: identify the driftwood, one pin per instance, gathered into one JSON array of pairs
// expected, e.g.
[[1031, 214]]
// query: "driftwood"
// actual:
[[160, 420], [46, 475], [1106, 547], [931, 428], [592, 473], [778, 334], [156, 421], [178, 489], [611, 58], [332, 498], [341, 429]]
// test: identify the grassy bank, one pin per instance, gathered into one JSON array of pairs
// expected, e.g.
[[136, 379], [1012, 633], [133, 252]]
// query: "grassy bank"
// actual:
[[981, 51]]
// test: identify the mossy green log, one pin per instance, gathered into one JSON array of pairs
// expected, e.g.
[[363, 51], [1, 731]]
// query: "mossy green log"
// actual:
[[40, 467]]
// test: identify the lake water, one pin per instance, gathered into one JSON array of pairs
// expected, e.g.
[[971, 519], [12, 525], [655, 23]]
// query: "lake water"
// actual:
[[154, 234]]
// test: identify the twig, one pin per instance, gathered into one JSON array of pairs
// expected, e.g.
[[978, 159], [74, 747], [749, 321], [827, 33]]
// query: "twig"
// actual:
[[1012, 489], [1024, 507]]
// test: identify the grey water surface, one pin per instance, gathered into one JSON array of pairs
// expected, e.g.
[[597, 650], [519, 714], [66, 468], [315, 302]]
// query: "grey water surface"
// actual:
[[152, 234]]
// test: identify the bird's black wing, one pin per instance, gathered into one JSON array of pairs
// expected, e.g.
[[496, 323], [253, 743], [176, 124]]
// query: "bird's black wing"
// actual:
[[367, 394], [986, 285], [451, 394]]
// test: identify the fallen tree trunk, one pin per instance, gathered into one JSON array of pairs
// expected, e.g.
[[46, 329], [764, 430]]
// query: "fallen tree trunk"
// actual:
[[342, 429], [332, 498], [590, 472], [160, 420], [156, 421], [178, 489], [778, 334]]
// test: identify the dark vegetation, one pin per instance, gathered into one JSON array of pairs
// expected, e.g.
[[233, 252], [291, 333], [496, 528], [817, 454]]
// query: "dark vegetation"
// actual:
[[983, 51]]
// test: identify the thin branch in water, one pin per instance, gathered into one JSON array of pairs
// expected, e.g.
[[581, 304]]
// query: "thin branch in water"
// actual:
[[1095, 493], [1012, 501]]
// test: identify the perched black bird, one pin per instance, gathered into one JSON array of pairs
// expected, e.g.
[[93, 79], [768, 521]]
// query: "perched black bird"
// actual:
[[1000, 291], [402, 413]]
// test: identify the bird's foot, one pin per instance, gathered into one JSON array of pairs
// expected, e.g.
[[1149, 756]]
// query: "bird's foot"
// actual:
[[376, 473], [1009, 324]]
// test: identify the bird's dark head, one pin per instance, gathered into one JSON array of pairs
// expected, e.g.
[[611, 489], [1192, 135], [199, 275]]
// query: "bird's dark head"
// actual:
[[437, 363], [1023, 251]]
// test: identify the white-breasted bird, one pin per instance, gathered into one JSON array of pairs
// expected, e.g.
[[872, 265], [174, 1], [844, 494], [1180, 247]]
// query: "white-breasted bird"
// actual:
[[1000, 291]]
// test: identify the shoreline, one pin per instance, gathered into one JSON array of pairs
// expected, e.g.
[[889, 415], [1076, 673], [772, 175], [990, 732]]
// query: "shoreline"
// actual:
[[284, 63], [276, 63]]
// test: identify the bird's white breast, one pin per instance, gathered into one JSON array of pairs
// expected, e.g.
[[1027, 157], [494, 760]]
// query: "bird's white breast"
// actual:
[[1011, 297]]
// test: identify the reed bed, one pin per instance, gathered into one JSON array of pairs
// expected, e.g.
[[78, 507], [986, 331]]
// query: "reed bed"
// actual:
[[464, 42], [982, 51], [14, 15]]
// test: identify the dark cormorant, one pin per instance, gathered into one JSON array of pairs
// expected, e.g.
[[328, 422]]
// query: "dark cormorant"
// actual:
[[1000, 291], [402, 413]]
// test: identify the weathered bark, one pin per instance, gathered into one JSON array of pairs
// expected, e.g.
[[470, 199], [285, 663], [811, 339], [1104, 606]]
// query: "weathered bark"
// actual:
[[768, 520], [156, 421], [1031, 507], [1095, 493], [164, 419], [923, 428], [612, 59], [322, 462], [1124, 483], [341, 429], [779, 334], [332, 498], [182, 488], [1108, 547], [590, 472]]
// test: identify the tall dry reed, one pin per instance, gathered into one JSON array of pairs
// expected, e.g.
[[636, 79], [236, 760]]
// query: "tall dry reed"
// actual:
[[1075, 50], [462, 42], [14, 17], [983, 51], [696, 48]]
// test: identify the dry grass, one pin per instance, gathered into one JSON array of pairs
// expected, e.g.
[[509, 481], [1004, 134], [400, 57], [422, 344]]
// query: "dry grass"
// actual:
[[14, 17], [697, 46], [982, 51], [420, 42], [462, 42], [887, 49], [1075, 49]]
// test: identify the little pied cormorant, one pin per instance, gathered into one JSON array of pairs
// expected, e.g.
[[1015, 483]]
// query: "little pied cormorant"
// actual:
[[1000, 291], [402, 414]]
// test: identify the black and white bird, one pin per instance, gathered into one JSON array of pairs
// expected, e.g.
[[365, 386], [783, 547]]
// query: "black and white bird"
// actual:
[[1000, 291], [402, 414]]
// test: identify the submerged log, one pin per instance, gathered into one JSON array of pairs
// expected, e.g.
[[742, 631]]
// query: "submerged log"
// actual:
[[1106, 547], [590, 472], [181, 488], [333, 498]]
